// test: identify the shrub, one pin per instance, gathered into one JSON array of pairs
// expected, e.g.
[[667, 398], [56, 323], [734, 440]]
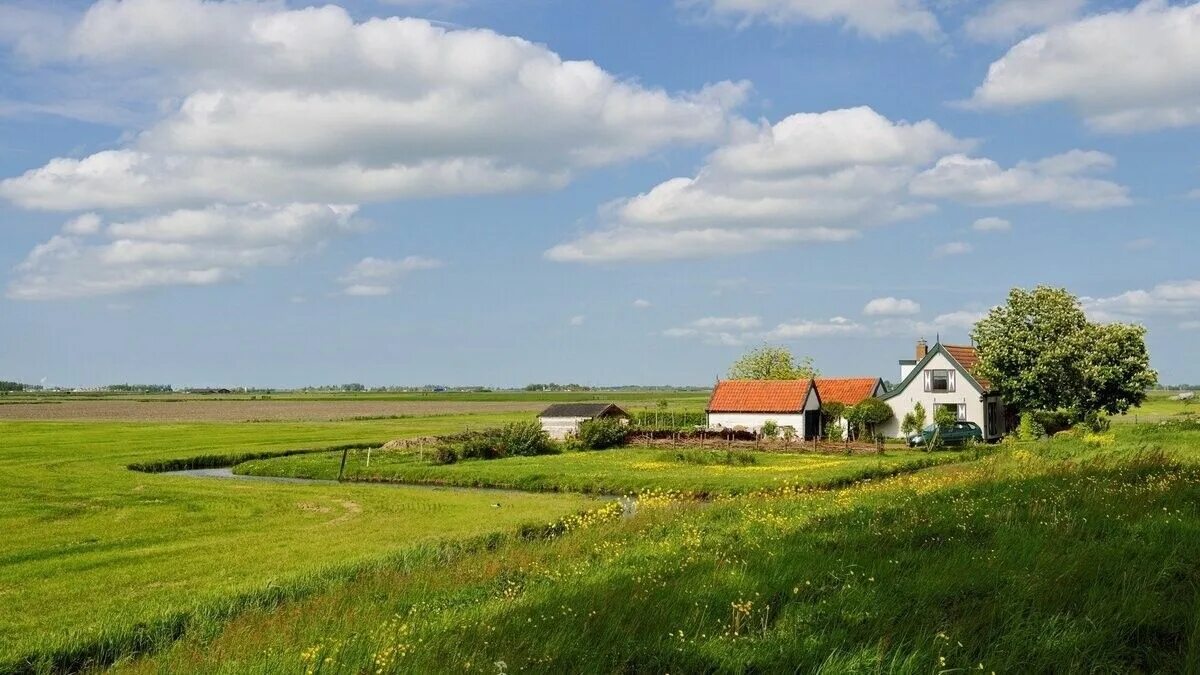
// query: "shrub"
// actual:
[[526, 439], [913, 421], [1095, 422], [833, 432], [487, 444], [445, 454], [1030, 429], [1052, 421], [770, 429], [868, 413], [601, 433]]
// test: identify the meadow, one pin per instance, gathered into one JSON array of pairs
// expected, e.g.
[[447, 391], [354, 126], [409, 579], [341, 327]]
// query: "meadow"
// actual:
[[1070, 555], [1076, 553], [92, 550], [687, 470]]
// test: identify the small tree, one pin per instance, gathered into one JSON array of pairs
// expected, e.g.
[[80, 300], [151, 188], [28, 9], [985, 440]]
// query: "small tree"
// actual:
[[868, 413], [771, 363], [913, 421], [832, 412], [770, 429]]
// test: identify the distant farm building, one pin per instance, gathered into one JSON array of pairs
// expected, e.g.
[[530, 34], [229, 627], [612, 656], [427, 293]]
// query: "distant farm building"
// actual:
[[749, 404], [562, 419], [849, 391]]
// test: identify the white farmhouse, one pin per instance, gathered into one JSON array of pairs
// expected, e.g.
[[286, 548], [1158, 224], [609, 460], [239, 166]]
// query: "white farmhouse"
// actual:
[[748, 404], [942, 377], [562, 419]]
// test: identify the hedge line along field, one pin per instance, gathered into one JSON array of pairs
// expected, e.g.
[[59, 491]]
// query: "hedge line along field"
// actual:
[[90, 549], [616, 471], [1071, 555]]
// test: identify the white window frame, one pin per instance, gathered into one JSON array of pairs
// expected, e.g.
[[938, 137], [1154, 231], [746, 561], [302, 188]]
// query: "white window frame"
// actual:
[[950, 380]]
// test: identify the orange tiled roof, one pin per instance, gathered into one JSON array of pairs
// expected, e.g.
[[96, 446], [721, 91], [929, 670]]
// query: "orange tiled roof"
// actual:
[[846, 390], [967, 357], [759, 396]]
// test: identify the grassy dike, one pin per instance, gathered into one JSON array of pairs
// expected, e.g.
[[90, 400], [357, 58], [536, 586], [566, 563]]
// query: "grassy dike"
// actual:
[[1061, 556], [617, 471]]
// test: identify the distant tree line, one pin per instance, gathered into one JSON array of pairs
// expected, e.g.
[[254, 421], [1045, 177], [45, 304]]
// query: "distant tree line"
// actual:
[[140, 388], [553, 386]]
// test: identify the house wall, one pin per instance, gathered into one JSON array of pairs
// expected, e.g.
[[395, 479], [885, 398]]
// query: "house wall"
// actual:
[[754, 421], [902, 403], [561, 427]]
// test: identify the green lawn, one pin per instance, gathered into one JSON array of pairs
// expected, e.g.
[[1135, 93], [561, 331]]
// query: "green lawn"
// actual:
[[615, 471], [1056, 556], [90, 548]]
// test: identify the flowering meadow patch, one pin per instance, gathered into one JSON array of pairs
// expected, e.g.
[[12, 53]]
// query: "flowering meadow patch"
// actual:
[[1051, 557]]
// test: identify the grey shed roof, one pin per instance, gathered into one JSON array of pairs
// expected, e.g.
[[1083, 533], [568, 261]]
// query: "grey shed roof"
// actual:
[[583, 410]]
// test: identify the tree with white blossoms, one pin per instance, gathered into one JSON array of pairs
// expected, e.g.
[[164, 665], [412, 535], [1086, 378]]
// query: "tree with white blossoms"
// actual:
[[771, 363], [1040, 352]]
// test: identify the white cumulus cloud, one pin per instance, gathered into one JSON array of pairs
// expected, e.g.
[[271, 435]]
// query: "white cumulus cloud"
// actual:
[[286, 104], [1063, 180], [191, 247], [1172, 298], [808, 178], [1124, 71], [890, 306], [991, 224], [1004, 19], [379, 276], [952, 248]]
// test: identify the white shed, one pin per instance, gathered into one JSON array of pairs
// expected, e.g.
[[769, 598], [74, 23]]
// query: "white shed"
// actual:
[[562, 419], [749, 404]]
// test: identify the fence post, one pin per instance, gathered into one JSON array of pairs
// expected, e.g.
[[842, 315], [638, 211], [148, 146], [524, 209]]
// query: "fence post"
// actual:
[[342, 469]]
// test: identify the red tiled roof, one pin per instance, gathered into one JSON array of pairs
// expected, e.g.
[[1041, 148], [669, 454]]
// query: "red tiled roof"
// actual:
[[967, 357], [846, 390], [759, 396]]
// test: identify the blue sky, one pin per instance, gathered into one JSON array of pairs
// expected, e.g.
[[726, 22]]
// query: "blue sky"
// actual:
[[618, 192]]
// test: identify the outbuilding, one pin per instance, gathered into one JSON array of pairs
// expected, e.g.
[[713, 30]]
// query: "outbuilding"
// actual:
[[562, 419], [749, 404]]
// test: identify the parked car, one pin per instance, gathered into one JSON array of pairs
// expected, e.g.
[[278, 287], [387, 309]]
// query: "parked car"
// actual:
[[958, 433]]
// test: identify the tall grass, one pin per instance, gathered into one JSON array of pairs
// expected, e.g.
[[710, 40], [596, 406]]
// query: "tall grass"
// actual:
[[1016, 563]]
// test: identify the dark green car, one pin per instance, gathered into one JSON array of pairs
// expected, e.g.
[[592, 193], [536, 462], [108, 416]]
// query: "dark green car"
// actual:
[[959, 433]]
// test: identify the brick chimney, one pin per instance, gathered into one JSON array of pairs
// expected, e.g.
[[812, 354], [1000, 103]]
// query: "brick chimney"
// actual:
[[922, 348]]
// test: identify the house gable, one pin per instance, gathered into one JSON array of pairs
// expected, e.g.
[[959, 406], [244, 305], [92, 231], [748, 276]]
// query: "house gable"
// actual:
[[919, 369]]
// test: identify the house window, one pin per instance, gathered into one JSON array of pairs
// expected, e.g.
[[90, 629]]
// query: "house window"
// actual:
[[959, 410], [939, 381]]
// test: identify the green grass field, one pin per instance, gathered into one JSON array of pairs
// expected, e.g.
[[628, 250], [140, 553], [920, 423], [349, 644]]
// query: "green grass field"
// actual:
[[90, 548], [618, 471], [1057, 556], [1068, 554]]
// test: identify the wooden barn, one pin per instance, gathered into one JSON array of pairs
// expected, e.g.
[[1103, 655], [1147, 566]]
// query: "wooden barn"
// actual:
[[562, 419]]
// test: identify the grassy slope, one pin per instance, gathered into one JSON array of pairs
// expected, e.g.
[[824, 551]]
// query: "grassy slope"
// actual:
[[616, 471], [1028, 561], [89, 546]]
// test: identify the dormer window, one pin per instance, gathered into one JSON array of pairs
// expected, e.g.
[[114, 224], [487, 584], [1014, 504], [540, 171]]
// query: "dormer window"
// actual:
[[939, 381]]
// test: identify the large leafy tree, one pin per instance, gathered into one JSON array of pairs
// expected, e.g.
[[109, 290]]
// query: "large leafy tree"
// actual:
[[771, 363], [1041, 353]]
